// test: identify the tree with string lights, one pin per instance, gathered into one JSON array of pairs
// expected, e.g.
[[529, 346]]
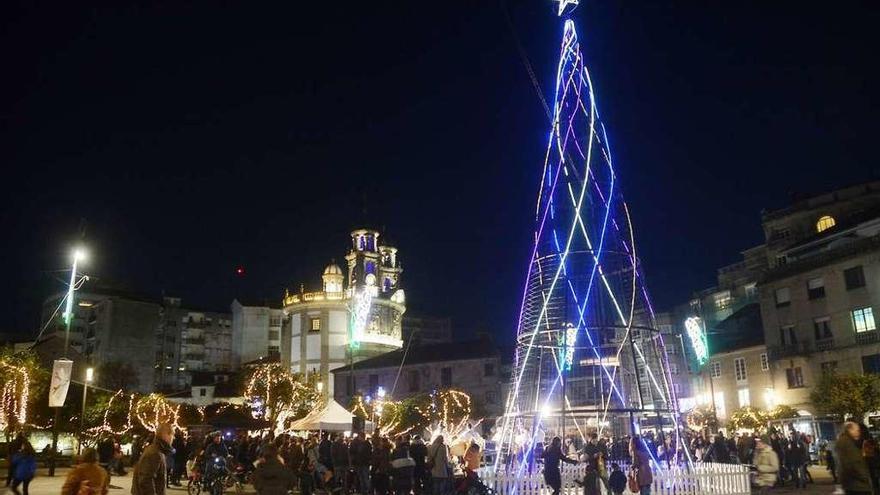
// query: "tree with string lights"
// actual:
[[279, 396]]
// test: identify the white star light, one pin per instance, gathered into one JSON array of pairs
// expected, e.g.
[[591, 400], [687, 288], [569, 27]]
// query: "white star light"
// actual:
[[563, 4]]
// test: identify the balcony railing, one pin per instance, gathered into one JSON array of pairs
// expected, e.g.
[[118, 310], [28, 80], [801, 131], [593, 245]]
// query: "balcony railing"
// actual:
[[790, 350], [867, 337], [825, 344]]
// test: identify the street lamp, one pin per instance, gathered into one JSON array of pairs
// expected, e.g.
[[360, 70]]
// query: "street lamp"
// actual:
[[90, 375], [79, 254]]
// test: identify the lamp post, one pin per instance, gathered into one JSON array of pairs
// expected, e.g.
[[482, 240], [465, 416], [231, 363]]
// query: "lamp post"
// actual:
[[78, 255], [90, 374]]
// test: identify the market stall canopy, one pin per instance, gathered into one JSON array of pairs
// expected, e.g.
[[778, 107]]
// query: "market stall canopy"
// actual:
[[331, 417]]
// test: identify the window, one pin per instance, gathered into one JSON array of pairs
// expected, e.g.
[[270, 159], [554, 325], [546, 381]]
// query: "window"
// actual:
[[203, 392], [722, 300], [825, 223], [673, 368], [765, 363], [446, 377], [780, 234], [739, 368], [491, 397], [275, 321], [665, 328], [274, 351], [863, 320], [743, 396], [274, 335], [871, 364], [822, 328], [815, 288], [783, 297], [787, 335], [716, 369], [489, 369], [413, 379], [672, 350], [830, 366], [315, 325], [751, 290], [795, 377], [854, 277], [676, 388]]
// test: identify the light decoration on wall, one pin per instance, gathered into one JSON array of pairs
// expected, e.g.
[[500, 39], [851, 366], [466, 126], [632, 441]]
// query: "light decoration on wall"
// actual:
[[697, 335], [584, 270], [16, 393], [362, 302]]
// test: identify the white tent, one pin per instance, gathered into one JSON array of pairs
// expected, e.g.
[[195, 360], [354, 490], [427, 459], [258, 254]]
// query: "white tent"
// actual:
[[332, 417]]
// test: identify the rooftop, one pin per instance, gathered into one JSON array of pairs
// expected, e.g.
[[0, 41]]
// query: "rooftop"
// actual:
[[430, 353]]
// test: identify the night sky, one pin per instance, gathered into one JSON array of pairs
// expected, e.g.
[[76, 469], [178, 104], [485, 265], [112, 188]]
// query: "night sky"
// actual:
[[189, 139]]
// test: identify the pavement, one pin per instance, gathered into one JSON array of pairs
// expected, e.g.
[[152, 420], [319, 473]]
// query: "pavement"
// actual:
[[43, 484]]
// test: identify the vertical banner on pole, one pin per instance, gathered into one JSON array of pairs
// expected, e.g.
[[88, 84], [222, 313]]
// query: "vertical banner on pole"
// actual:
[[61, 370]]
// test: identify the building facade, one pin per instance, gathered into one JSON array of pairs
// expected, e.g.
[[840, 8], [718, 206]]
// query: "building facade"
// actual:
[[256, 331], [363, 305], [818, 298], [474, 367], [426, 329]]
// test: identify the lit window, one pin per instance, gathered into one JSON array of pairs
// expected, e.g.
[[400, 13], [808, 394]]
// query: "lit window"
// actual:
[[315, 325], [716, 370], [765, 363], [722, 300], [783, 297], [743, 395], [863, 319], [739, 365], [825, 223]]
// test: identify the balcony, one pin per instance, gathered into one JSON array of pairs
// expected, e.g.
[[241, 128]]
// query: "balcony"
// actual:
[[870, 337], [790, 350], [825, 344]]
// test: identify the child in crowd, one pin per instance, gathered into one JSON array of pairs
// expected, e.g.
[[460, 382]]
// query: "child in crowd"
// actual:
[[617, 481]]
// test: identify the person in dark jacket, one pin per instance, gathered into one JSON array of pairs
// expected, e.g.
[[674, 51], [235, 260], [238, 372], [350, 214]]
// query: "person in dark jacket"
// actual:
[[148, 477], [181, 454], [24, 464], [552, 457], [419, 452], [271, 477], [360, 451], [852, 470], [795, 457], [339, 455], [402, 467], [325, 452], [617, 480], [14, 447]]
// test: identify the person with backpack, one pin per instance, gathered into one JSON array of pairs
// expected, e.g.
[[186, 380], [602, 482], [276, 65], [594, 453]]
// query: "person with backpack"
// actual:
[[24, 467]]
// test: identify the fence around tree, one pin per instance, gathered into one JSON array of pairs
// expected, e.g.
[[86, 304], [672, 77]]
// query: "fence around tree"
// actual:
[[705, 478]]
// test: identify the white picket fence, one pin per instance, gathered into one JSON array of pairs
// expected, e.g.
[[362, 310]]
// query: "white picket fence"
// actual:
[[705, 478]]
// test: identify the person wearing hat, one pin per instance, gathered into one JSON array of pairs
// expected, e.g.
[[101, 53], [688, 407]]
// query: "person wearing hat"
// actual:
[[87, 475], [767, 463]]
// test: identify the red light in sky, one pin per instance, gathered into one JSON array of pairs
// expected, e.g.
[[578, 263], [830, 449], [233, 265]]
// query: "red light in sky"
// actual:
[[239, 271]]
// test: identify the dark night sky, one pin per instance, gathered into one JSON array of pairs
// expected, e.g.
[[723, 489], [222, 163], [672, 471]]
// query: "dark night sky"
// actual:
[[196, 137]]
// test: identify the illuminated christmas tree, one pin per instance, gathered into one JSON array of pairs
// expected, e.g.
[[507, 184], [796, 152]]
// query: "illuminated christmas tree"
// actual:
[[588, 357]]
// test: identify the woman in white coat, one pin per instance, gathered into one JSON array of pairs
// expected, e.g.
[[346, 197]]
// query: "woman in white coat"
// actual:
[[767, 463]]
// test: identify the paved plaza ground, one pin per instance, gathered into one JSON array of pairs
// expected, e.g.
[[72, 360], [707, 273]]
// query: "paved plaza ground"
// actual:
[[45, 485]]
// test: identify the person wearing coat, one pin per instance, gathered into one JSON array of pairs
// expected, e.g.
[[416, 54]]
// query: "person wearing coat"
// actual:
[[641, 464], [438, 460], [149, 473], [180, 456], [402, 467], [271, 477], [767, 463], [552, 457], [419, 452], [24, 465], [87, 474], [852, 470]]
